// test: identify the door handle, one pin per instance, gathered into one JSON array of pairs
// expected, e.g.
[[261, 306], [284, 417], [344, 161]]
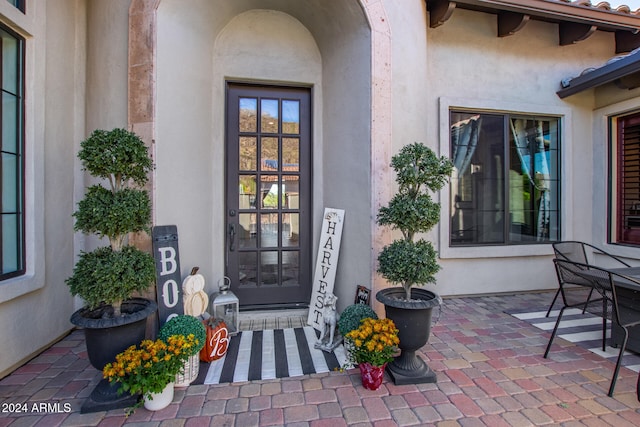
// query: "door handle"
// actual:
[[232, 237]]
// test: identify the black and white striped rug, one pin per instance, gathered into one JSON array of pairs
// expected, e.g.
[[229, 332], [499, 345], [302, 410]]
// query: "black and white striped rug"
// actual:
[[269, 354], [584, 330]]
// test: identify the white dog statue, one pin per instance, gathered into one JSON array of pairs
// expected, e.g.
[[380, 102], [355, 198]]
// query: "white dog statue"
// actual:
[[328, 339]]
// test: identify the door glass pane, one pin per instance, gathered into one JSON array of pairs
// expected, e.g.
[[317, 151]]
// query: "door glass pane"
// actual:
[[246, 235], [291, 154], [269, 154], [270, 191], [292, 193], [269, 267], [247, 190], [269, 230], [291, 117], [269, 116], [247, 268], [290, 229], [248, 153], [248, 120], [290, 268]]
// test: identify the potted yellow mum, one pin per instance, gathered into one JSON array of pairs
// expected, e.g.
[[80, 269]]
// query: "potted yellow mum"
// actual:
[[150, 369], [372, 346]]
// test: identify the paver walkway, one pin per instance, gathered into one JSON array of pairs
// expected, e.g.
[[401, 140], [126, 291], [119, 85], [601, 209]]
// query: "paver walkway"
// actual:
[[490, 373]]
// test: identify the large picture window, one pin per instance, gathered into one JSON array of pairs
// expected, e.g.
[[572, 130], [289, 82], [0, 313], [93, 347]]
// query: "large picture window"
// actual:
[[11, 148], [626, 184], [505, 185]]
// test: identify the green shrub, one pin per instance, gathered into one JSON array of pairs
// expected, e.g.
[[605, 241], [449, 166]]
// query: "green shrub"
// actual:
[[352, 315], [184, 324]]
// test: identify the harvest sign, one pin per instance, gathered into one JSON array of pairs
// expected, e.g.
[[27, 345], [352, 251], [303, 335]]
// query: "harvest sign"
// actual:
[[326, 263]]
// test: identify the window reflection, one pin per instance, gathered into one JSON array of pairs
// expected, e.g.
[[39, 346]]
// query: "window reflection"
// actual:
[[269, 116], [500, 197], [248, 120], [291, 117]]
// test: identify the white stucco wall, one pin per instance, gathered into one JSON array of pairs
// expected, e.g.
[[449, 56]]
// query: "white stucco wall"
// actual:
[[107, 64], [469, 66], [35, 308]]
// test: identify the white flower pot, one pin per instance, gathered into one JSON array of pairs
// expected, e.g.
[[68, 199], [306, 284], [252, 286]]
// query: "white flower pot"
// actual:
[[160, 400], [191, 369]]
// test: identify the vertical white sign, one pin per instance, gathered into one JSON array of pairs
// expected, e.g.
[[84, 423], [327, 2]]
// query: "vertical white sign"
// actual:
[[326, 263]]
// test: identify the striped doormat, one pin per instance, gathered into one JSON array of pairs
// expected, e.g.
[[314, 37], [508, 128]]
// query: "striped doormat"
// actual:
[[584, 330], [269, 354]]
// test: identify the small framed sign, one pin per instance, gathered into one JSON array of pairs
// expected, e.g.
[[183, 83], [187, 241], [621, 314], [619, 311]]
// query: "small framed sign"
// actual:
[[362, 295]]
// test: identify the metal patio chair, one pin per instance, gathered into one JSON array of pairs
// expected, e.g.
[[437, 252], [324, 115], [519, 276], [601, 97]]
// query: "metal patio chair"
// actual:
[[577, 252], [604, 282]]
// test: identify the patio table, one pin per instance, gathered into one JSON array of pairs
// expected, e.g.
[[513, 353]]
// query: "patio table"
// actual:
[[628, 293]]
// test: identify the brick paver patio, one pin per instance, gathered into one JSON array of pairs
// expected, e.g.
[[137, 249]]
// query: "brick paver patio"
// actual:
[[490, 373]]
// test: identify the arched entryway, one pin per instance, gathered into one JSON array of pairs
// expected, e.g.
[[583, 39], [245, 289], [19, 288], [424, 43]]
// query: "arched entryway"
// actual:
[[181, 59]]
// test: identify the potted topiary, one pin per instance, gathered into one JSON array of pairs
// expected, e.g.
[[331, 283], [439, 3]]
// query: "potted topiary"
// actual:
[[186, 325], [107, 277], [409, 261]]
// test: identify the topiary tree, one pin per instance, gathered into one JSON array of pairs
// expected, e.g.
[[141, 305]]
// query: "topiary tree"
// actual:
[[111, 274], [408, 261]]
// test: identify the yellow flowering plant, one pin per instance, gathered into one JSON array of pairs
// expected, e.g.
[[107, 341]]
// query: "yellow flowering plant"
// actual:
[[375, 341], [149, 367]]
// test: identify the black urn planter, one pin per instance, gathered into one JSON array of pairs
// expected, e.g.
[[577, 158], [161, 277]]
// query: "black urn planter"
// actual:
[[105, 337], [413, 320]]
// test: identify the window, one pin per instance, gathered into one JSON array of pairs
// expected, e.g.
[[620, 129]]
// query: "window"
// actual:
[[626, 185], [505, 185], [18, 3], [11, 147]]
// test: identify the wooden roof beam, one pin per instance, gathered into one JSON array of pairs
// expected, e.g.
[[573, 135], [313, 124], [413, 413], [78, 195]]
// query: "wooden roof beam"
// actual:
[[510, 22], [573, 32], [440, 11], [626, 41]]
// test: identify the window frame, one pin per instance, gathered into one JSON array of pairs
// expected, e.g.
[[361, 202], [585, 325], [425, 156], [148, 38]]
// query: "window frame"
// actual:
[[447, 104], [20, 149], [19, 4], [615, 215], [33, 279], [603, 135]]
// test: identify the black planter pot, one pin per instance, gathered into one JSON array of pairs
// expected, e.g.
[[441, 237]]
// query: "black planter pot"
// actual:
[[106, 337], [413, 320]]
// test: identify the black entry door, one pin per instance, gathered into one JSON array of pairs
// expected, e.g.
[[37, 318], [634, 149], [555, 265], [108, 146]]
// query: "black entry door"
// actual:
[[268, 202]]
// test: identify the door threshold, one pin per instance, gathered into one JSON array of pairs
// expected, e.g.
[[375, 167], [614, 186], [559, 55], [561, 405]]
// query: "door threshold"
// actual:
[[272, 319]]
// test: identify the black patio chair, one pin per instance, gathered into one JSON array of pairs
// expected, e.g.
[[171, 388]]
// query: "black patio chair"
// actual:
[[577, 252], [604, 282]]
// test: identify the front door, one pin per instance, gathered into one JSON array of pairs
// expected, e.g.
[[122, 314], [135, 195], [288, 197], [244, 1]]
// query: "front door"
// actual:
[[268, 202]]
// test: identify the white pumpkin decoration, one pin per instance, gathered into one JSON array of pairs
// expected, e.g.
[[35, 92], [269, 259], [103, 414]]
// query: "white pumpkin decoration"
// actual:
[[196, 300]]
